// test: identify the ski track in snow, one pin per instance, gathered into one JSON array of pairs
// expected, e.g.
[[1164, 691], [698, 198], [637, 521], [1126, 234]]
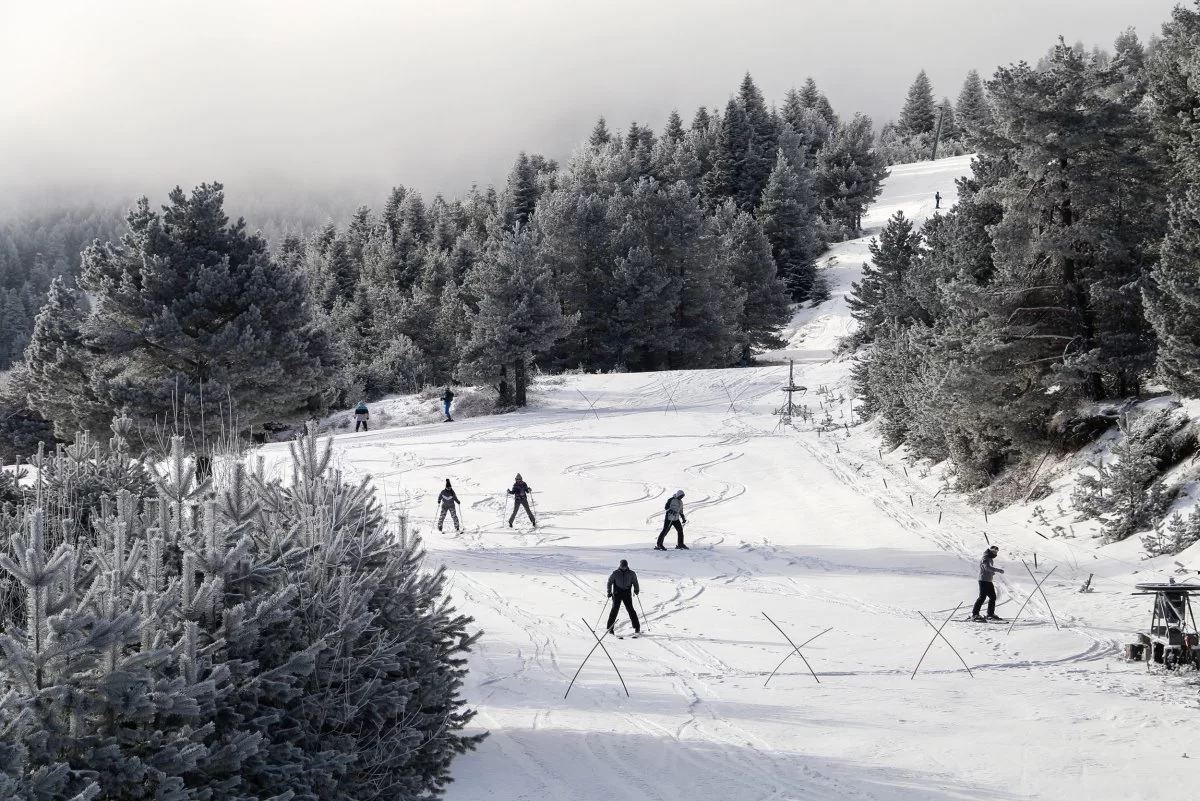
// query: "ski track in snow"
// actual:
[[782, 520]]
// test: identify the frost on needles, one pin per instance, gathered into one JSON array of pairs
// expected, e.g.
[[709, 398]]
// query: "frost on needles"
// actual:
[[236, 638]]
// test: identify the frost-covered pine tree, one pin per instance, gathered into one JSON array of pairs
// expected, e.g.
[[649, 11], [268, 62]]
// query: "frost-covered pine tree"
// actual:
[[787, 212], [1172, 298], [245, 639], [882, 294], [520, 194], [747, 252], [813, 98], [764, 137], [1173, 76], [1175, 536], [919, 115], [191, 315], [973, 112], [849, 174], [674, 132], [728, 173], [60, 372], [518, 315]]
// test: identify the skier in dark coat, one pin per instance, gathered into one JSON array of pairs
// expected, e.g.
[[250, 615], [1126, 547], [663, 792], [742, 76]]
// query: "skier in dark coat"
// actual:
[[674, 517], [620, 583], [937, 200], [520, 492], [446, 500], [447, 399], [361, 416], [987, 590]]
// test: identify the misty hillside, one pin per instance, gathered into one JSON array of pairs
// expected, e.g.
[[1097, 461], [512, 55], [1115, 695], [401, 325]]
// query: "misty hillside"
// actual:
[[392, 408]]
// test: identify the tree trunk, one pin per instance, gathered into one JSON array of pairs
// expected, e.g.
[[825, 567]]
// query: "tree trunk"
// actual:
[[503, 389], [520, 377], [1093, 383]]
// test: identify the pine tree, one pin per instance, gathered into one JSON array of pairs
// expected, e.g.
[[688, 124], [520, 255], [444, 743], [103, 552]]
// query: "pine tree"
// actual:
[[919, 115], [849, 174], [674, 132], [763, 139], [1174, 86], [808, 124], [1126, 494], [1179, 534], [519, 316], [1172, 299], [600, 135], [729, 176], [191, 316], [973, 111], [787, 213], [747, 252], [520, 195], [248, 639], [58, 374], [881, 294], [814, 99], [1071, 251]]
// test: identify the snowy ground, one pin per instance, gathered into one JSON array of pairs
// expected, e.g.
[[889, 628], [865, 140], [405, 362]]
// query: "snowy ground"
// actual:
[[815, 530]]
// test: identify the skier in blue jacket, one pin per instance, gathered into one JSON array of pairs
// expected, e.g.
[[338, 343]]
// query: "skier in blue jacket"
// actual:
[[520, 492]]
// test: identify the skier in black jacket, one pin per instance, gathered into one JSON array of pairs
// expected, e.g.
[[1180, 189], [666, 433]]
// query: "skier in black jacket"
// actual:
[[520, 492], [446, 500], [620, 583], [447, 399]]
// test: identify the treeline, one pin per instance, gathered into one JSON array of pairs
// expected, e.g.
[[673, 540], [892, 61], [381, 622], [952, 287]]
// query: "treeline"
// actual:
[[1065, 277], [643, 251], [36, 246]]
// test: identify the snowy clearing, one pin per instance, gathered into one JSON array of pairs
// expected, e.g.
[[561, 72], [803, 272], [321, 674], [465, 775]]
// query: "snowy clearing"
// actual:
[[815, 531]]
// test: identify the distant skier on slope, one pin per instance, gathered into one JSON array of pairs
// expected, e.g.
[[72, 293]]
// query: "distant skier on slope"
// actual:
[[986, 588], [520, 492], [446, 500], [937, 200], [447, 399], [620, 583], [361, 416], [674, 517]]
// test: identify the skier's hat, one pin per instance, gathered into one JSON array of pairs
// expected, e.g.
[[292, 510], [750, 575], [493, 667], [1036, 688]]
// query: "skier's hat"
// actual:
[[518, 476], [624, 563], [994, 549]]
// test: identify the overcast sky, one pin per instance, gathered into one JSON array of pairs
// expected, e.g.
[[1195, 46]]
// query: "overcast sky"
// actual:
[[437, 94]]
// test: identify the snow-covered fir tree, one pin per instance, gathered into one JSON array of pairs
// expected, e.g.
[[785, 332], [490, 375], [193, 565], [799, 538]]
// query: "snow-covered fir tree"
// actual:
[[518, 315]]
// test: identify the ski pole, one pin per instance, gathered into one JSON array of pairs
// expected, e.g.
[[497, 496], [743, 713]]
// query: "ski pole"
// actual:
[[601, 614], [643, 608]]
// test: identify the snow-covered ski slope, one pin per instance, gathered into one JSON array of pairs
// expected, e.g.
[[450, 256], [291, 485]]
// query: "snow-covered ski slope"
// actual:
[[797, 526]]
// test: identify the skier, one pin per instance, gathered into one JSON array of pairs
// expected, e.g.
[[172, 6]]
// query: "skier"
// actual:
[[986, 588], [620, 583], [520, 492], [447, 397], [446, 500], [674, 517], [361, 415], [937, 200]]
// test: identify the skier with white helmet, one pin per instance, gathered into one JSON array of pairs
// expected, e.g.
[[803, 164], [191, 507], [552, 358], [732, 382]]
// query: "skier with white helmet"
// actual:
[[674, 517]]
